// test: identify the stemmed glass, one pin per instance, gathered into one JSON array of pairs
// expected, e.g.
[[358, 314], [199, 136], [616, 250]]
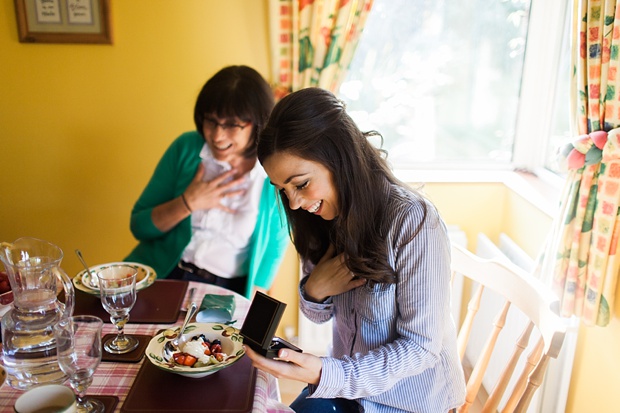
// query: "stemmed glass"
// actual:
[[78, 345], [117, 287]]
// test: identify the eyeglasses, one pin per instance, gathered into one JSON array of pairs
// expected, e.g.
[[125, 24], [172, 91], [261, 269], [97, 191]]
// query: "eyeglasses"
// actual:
[[227, 127]]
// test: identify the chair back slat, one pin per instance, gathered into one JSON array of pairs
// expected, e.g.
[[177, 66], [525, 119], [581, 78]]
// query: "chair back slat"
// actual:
[[519, 387], [477, 374], [502, 384], [533, 384], [465, 330]]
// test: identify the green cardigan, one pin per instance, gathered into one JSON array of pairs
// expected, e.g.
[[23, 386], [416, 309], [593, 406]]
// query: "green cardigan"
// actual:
[[163, 250]]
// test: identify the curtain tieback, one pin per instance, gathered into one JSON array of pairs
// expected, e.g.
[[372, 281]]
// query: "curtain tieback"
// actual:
[[591, 149]]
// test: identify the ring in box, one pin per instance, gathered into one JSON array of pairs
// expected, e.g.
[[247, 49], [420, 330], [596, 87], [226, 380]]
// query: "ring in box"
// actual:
[[261, 324]]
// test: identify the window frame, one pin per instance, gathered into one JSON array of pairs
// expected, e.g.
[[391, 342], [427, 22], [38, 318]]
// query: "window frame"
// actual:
[[534, 116], [538, 85]]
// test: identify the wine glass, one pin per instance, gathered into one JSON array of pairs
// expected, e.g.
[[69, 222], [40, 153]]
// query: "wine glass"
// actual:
[[117, 287], [78, 345]]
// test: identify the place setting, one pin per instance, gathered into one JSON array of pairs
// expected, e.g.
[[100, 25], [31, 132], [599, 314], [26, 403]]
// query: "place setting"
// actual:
[[160, 301], [80, 351], [209, 354], [87, 281], [117, 296], [188, 359], [117, 287], [79, 354]]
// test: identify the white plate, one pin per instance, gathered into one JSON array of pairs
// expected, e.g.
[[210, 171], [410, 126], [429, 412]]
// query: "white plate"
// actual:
[[229, 337], [84, 281]]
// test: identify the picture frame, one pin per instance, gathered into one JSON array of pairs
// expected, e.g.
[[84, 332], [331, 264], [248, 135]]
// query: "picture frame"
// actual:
[[63, 21]]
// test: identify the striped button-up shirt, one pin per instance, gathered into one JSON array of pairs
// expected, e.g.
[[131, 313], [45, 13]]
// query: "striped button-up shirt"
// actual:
[[394, 345]]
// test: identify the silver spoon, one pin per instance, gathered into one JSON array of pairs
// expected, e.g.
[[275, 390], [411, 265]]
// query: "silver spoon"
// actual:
[[172, 346], [189, 298], [93, 277]]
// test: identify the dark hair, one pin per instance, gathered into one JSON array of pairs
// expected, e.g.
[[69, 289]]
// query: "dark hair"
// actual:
[[236, 91], [313, 124]]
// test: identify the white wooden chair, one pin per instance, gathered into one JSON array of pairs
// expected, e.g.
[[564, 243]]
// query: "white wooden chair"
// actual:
[[536, 301]]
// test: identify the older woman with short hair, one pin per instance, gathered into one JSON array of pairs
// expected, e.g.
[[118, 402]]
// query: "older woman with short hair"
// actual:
[[208, 213]]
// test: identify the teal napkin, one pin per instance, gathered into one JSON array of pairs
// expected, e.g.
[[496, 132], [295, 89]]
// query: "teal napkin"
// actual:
[[216, 308]]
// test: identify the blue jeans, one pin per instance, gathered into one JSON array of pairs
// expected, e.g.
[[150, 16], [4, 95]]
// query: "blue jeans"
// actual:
[[304, 405]]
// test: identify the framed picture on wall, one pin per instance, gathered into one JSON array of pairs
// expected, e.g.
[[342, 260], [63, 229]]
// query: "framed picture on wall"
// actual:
[[63, 21]]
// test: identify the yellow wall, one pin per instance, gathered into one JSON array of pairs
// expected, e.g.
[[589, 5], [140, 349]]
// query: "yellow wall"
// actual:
[[82, 127], [483, 211]]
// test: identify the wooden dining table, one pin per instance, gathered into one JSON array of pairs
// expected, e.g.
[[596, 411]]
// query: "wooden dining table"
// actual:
[[117, 378]]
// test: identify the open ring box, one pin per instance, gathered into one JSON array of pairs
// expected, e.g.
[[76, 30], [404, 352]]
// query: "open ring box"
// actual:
[[260, 326]]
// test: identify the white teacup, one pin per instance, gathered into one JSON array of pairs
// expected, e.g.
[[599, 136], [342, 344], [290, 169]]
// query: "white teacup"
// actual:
[[49, 398]]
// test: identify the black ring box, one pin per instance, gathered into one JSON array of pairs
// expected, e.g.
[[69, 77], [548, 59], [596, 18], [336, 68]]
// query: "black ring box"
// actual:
[[260, 326]]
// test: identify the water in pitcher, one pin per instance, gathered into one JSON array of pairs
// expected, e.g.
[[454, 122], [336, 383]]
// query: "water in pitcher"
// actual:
[[28, 344]]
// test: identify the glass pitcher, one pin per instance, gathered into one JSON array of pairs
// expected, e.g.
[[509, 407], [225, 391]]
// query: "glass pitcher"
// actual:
[[28, 344]]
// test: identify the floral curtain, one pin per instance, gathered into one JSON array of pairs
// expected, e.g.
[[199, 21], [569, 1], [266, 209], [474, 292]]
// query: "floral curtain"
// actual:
[[585, 241], [313, 41]]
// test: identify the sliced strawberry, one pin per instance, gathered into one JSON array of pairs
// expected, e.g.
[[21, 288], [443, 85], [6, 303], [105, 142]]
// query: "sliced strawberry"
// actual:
[[189, 360]]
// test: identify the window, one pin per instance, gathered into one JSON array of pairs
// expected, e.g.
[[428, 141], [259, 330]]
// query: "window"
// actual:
[[560, 131], [455, 84]]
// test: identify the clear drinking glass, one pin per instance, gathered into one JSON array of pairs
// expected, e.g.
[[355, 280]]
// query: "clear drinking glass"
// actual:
[[117, 287], [78, 345]]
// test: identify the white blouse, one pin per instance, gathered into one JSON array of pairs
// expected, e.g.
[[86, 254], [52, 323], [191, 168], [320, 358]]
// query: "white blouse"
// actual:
[[220, 240]]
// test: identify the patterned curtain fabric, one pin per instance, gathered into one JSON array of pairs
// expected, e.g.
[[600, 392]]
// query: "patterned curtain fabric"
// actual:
[[313, 41], [585, 240]]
